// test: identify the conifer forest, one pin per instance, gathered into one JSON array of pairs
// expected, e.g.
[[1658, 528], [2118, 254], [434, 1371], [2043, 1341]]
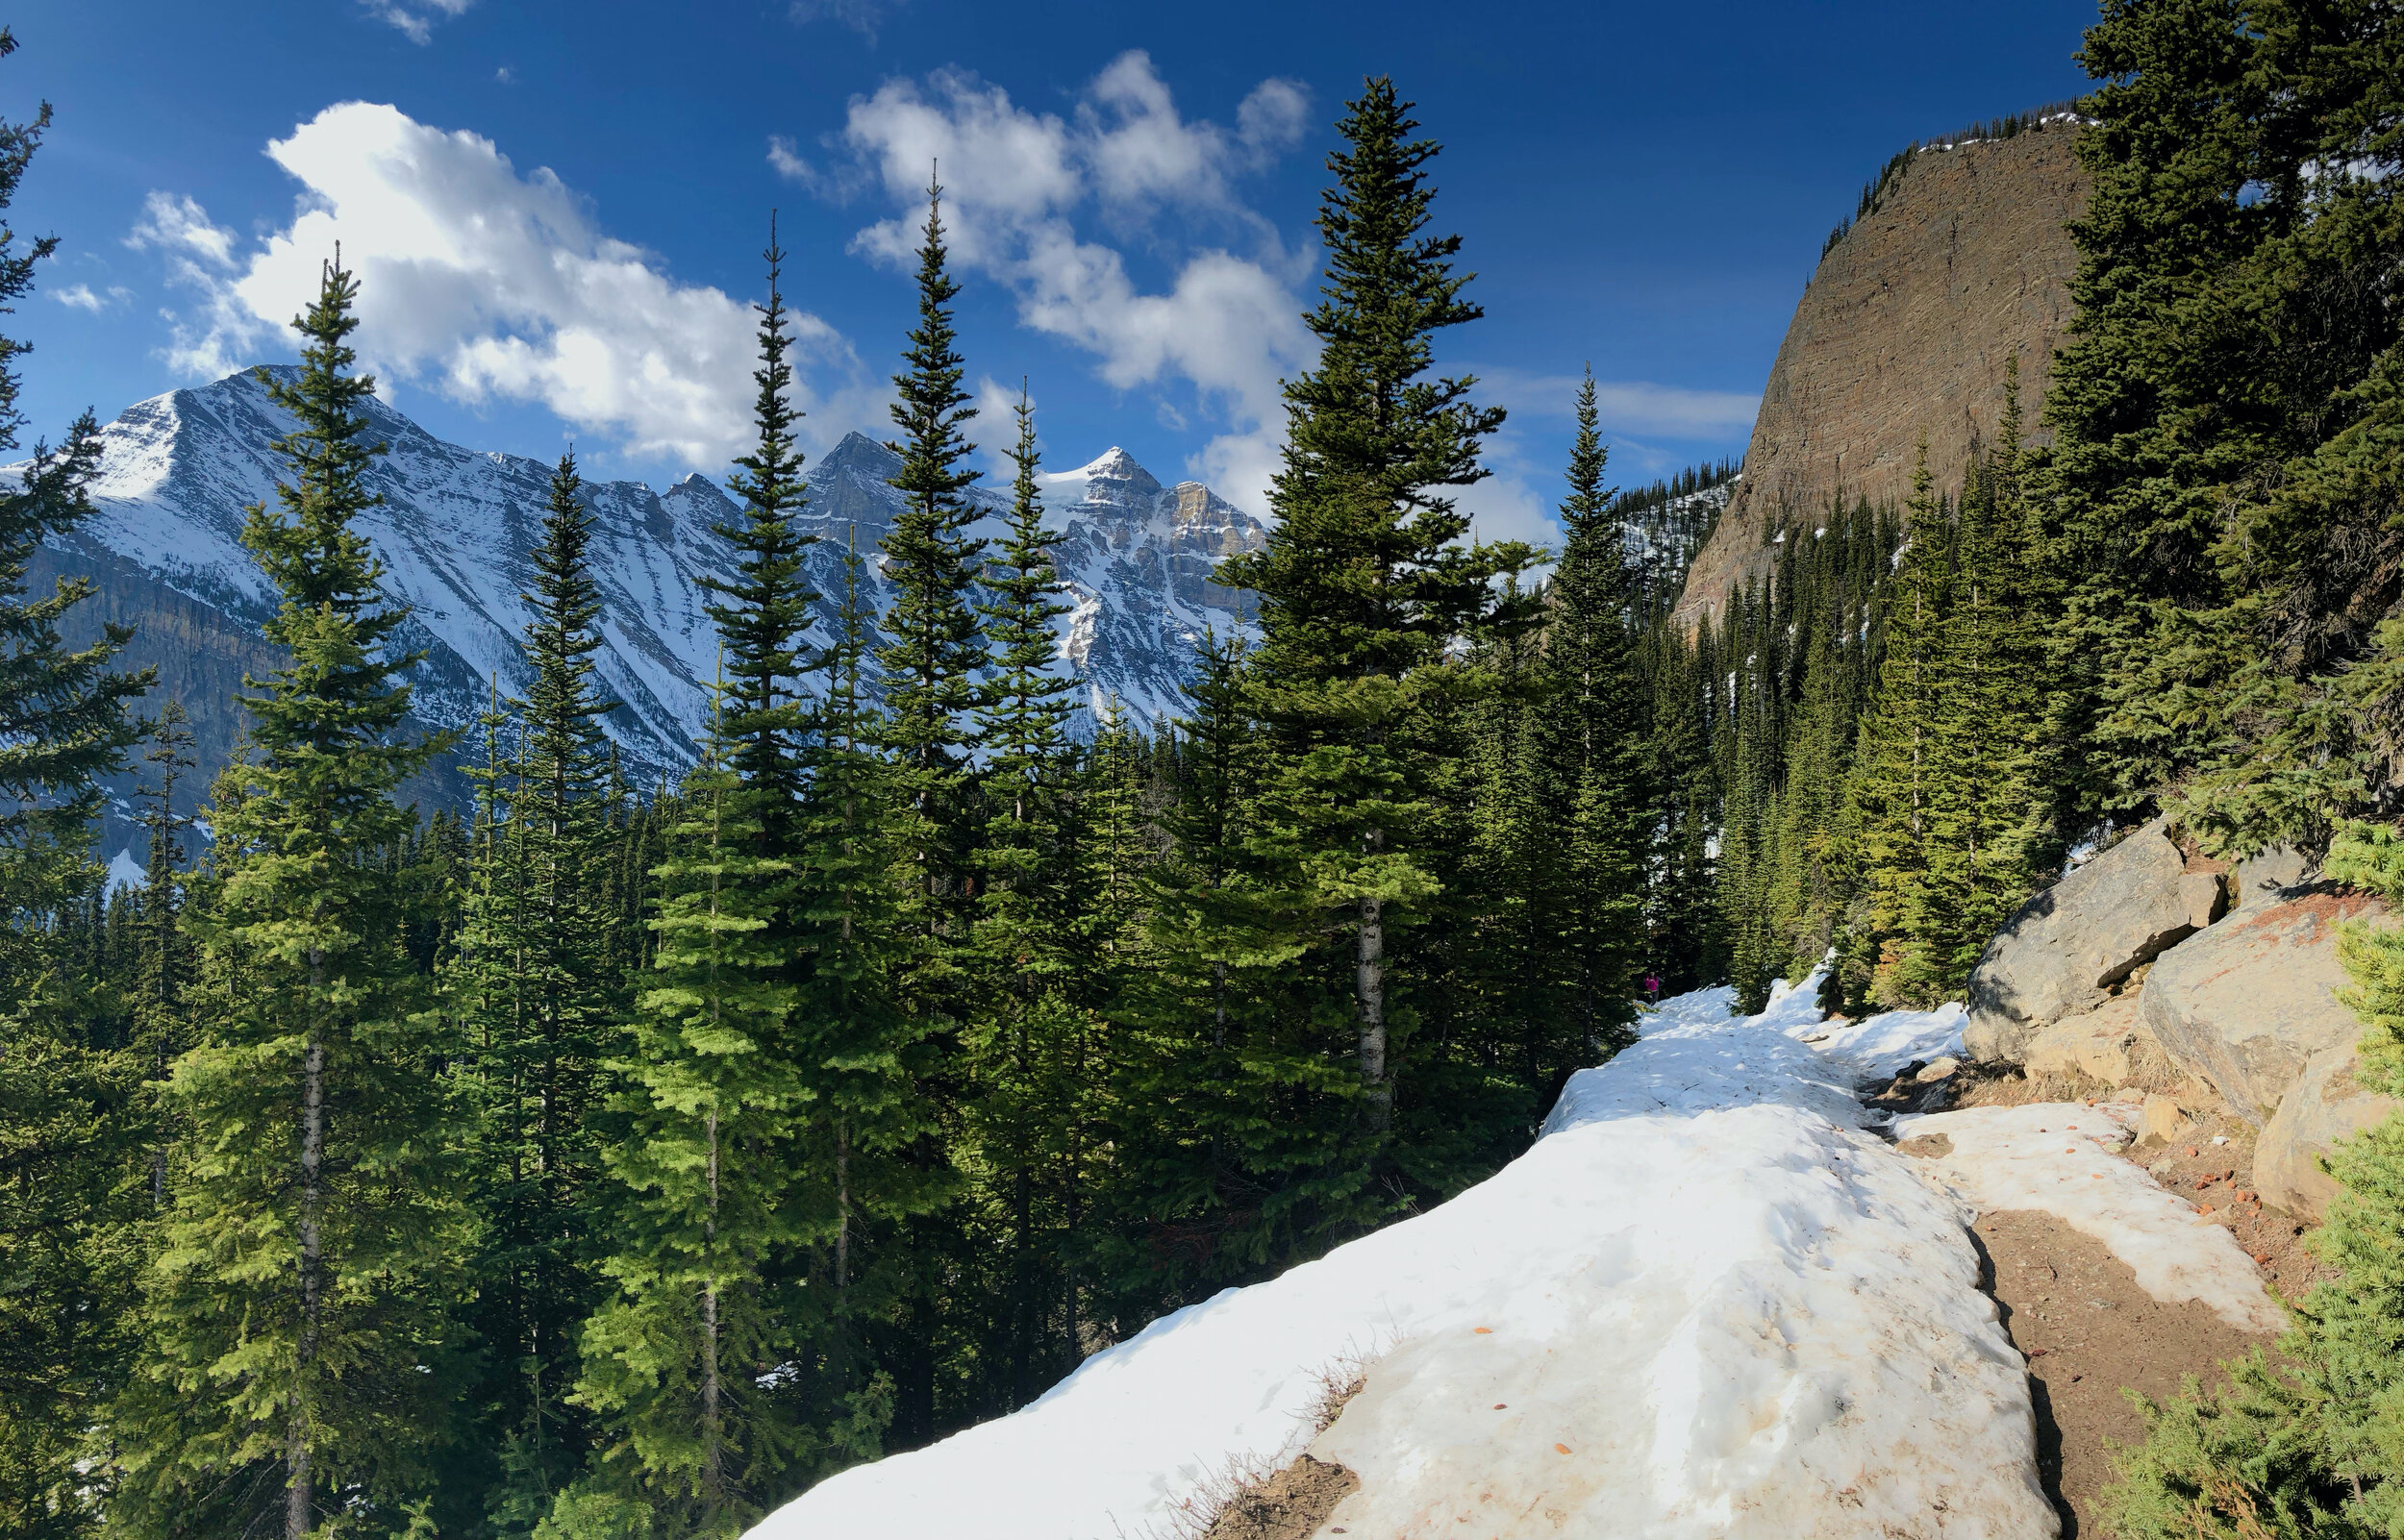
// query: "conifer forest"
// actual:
[[618, 1160]]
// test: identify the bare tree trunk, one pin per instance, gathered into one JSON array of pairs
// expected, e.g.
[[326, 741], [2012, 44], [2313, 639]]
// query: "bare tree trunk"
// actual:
[[1377, 1087], [298, 1497], [712, 1475]]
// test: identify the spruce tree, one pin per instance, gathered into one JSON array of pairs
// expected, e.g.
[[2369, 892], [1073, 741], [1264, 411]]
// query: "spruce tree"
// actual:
[[1362, 586], [1028, 945], [860, 1050], [1592, 740], [65, 1132], [930, 669], [678, 1360], [1900, 762], [937, 650], [543, 1006], [301, 1349]]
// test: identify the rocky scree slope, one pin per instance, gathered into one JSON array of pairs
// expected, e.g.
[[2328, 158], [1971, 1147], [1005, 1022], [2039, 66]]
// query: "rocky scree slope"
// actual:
[[163, 549], [1906, 328]]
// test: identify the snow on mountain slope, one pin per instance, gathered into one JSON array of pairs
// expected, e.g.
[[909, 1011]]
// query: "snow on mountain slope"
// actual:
[[456, 526], [1704, 1305]]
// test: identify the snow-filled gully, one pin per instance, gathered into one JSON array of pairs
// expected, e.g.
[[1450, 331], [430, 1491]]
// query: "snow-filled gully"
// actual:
[[1708, 1301]]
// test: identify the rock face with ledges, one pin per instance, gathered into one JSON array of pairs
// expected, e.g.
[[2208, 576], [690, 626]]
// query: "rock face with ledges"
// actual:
[[2246, 1003], [1906, 329], [2068, 946]]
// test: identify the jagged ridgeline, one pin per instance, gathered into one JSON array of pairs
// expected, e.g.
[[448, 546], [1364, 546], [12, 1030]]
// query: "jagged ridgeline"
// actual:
[[456, 527]]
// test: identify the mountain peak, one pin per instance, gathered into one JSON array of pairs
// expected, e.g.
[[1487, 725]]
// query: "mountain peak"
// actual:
[[1112, 464]]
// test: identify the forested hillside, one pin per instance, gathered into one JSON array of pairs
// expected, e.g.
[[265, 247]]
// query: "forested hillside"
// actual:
[[618, 1161]]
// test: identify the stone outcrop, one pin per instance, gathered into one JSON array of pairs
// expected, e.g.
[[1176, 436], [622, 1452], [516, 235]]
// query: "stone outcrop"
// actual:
[[2069, 948], [1905, 329], [2325, 1105], [2265, 877], [2100, 1044], [2246, 1003]]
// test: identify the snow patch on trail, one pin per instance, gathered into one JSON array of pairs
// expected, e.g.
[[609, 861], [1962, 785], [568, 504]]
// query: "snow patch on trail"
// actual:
[[2062, 1159], [1703, 1304], [1883, 1045]]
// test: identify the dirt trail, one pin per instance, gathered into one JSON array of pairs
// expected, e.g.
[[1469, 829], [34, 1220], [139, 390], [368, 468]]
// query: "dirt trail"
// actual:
[[2088, 1329]]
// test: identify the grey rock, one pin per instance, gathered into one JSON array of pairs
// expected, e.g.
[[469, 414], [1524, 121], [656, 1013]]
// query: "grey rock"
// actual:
[[2067, 947], [2246, 1002], [1937, 1069], [2262, 878], [2097, 1043], [2325, 1104]]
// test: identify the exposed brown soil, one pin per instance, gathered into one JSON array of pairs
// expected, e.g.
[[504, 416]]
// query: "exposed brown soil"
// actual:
[[2218, 1180], [1290, 1505], [2088, 1329]]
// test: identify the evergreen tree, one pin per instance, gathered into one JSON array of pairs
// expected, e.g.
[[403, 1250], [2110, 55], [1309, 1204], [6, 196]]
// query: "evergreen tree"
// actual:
[[543, 1004], [937, 650], [1030, 954], [300, 1352], [1899, 763], [677, 1359], [165, 965], [1362, 586], [1593, 745], [678, 1362], [860, 1050], [62, 1085], [930, 668]]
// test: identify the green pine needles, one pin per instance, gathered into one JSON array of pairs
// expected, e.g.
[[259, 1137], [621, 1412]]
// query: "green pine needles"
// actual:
[[300, 1332]]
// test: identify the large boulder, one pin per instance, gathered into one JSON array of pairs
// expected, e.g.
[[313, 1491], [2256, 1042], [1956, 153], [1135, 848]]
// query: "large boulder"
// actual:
[[2324, 1105], [2265, 878], [2248, 1002], [2099, 1044], [2069, 946]]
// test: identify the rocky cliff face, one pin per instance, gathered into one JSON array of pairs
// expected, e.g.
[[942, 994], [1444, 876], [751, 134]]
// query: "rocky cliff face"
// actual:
[[1904, 329]]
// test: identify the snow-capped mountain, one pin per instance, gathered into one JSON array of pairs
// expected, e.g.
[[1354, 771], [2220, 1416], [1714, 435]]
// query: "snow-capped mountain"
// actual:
[[456, 525]]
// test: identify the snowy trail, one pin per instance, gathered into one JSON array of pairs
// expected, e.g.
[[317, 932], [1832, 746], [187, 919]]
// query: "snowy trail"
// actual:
[[1704, 1304], [2062, 1158]]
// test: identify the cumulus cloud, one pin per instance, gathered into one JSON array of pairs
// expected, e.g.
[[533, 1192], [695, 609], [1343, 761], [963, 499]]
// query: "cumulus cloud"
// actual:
[[482, 282], [1017, 184], [415, 19], [80, 296]]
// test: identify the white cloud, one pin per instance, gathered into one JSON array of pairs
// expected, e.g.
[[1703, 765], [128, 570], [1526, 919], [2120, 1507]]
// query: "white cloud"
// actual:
[[863, 17], [218, 338], [81, 297], [1629, 406], [415, 19], [1228, 324], [784, 160], [181, 225], [484, 282]]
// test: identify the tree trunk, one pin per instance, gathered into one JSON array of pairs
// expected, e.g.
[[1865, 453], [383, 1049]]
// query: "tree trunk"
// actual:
[[298, 1497], [712, 1474], [1377, 1087]]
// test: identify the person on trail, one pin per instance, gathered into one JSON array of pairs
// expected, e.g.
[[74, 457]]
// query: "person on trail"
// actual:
[[1652, 987]]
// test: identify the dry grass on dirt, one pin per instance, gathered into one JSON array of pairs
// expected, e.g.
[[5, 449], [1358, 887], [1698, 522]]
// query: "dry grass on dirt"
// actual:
[[1289, 1502]]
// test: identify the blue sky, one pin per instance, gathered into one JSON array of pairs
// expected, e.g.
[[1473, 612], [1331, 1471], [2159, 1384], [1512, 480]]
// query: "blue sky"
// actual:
[[557, 209]]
